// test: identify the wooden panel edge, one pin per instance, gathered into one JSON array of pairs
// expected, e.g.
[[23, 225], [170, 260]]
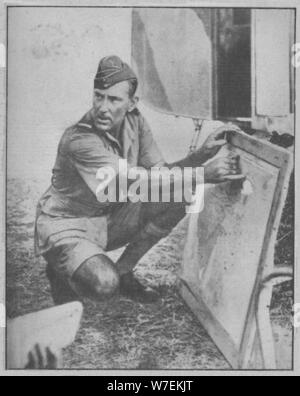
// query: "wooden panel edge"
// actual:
[[267, 255], [268, 152], [214, 329]]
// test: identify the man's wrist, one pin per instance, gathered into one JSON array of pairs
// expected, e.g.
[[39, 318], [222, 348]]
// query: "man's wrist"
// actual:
[[194, 160], [198, 159], [208, 179]]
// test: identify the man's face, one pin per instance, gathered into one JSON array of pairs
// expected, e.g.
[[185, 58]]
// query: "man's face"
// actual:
[[110, 106]]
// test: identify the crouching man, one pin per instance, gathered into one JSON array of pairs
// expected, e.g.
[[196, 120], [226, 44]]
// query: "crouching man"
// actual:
[[74, 230]]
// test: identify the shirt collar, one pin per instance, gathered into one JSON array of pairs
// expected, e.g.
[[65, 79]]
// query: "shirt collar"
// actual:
[[128, 131]]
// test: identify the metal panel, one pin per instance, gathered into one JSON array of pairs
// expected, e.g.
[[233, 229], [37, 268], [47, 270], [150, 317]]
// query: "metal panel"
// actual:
[[230, 246]]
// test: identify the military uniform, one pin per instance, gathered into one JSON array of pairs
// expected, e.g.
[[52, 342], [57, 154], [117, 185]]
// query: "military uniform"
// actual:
[[71, 225]]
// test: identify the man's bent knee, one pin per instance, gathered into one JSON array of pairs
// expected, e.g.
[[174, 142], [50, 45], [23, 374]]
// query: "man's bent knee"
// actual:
[[96, 278]]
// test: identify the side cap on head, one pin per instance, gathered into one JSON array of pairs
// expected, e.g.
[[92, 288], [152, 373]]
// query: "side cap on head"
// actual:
[[112, 70]]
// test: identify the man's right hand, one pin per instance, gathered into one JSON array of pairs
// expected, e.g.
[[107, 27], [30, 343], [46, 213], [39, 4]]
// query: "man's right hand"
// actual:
[[222, 169]]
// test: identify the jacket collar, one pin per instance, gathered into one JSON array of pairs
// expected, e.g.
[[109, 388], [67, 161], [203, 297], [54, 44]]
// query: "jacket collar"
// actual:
[[128, 133]]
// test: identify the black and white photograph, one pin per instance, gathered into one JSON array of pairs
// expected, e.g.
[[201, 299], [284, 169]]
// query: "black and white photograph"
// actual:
[[149, 185]]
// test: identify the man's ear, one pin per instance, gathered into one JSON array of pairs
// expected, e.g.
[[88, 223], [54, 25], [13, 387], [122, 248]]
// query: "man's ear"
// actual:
[[133, 103]]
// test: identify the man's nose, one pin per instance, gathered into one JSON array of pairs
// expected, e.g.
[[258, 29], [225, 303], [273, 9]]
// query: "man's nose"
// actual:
[[104, 106]]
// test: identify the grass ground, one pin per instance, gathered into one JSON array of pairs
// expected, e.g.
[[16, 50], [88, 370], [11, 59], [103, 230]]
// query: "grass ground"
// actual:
[[121, 334]]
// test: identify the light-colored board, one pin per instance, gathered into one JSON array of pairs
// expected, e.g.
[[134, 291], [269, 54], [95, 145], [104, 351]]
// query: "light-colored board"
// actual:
[[55, 328], [230, 246], [155, 59]]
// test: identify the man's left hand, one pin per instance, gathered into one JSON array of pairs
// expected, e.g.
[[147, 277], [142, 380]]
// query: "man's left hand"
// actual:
[[213, 144]]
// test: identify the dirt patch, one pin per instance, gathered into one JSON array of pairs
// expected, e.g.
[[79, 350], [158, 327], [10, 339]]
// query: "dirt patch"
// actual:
[[121, 334]]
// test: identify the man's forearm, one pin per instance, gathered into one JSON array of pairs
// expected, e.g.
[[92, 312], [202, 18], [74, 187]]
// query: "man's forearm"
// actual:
[[180, 176], [192, 178], [193, 160]]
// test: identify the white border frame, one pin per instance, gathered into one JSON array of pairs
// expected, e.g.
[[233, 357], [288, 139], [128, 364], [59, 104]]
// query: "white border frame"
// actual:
[[157, 3]]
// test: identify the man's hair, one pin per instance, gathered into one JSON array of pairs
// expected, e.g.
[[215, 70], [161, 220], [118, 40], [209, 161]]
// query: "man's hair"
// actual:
[[133, 84]]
